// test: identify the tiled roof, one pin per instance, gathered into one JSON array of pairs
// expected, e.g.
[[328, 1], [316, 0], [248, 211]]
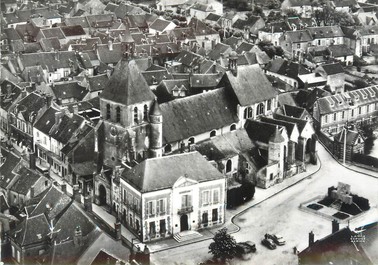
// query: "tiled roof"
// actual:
[[34, 229], [27, 178], [262, 131], [301, 124], [226, 145], [213, 17], [52, 32], [10, 93], [98, 82], [340, 50], [339, 102], [30, 105], [160, 24], [250, 85], [127, 85], [162, 173], [50, 44], [54, 200], [200, 28], [290, 126], [332, 69], [218, 50], [68, 90], [6, 175], [337, 247], [70, 31], [299, 36], [197, 114], [326, 32]]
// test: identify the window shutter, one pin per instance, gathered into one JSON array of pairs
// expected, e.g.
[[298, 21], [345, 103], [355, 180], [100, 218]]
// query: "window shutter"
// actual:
[[189, 200], [158, 207], [183, 201]]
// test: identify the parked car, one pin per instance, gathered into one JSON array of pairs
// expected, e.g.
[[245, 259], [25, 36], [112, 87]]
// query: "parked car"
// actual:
[[244, 249], [277, 239], [268, 243]]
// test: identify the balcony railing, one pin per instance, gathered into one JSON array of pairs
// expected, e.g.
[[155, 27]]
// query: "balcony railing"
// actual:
[[184, 210]]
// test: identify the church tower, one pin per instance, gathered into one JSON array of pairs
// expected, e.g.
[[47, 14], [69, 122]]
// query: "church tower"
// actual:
[[156, 131], [125, 106]]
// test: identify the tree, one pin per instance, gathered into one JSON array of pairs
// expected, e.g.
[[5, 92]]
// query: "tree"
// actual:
[[224, 245]]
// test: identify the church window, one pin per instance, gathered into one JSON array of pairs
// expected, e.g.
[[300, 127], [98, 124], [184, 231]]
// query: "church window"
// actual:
[[247, 113], [118, 110], [228, 166], [191, 141], [136, 115], [213, 133], [108, 111], [260, 109], [233, 127], [145, 113], [168, 148], [269, 106]]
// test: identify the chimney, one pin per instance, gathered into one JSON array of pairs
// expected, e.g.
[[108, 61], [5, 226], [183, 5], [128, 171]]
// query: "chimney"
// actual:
[[32, 192], [75, 109], [64, 188], [335, 226], [110, 45], [49, 100], [32, 161], [117, 228], [78, 236], [311, 239], [23, 93], [9, 90], [57, 55], [58, 117]]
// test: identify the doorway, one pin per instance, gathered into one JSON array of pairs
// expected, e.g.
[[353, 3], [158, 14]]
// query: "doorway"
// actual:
[[184, 222], [102, 195]]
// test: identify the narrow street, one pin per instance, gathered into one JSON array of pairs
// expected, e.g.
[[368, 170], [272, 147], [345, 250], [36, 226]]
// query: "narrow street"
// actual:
[[290, 222]]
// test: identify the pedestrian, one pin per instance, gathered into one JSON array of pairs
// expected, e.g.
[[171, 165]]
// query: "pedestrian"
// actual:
[[295, 250]]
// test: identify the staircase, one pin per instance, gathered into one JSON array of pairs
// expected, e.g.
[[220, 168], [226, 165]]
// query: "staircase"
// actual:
[[186, 236]]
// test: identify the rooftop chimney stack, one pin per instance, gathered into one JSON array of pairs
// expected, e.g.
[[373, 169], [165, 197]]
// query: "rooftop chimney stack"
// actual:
[[311, 239]]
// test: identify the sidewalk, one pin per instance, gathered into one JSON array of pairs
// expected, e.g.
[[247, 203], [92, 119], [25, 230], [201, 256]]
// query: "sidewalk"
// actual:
[[260, 196]]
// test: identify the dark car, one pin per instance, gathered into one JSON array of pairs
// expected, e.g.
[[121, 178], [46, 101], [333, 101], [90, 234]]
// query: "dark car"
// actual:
[[268, 243], [277, 239], [244, 249]]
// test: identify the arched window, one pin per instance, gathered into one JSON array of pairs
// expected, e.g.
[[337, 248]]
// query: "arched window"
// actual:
[[372, 40], [118, 111], [108, 112], [213, 133], [136, 115], [269, 106], [228, 166], [260, 109], [191, 140], [248, 113], [168, 148], [145, 113], [368, 40], [233, 127]]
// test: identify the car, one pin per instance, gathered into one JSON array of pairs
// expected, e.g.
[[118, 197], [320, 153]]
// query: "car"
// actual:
[[244, 249], [277, 239], [268, 243]]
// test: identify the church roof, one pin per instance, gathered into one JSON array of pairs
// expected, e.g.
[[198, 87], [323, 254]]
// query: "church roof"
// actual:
[[127, 85]]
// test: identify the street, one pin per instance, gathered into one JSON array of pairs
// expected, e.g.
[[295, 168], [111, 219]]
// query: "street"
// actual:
[[280, 214]]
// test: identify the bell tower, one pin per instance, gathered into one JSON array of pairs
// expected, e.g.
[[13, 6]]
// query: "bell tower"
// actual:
[[124, 106]]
